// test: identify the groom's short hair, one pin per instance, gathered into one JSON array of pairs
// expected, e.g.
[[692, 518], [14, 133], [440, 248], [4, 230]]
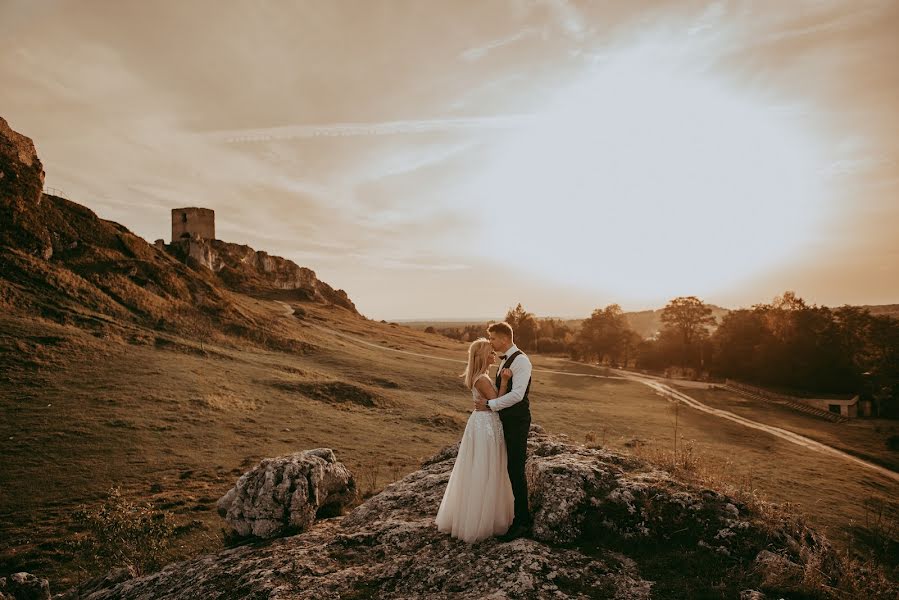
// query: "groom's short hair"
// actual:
[[501, 328]]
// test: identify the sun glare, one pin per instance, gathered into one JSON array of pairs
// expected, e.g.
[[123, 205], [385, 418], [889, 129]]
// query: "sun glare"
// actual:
[[650, 178]]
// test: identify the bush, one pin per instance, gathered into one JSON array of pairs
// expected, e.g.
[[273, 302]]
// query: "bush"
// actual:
[[120, 533]]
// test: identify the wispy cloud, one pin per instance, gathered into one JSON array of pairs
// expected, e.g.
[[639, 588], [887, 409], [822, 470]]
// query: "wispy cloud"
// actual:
[[479, 52], [828, 18], [406, 127], [410, 263], [568, 17], [410, 160]]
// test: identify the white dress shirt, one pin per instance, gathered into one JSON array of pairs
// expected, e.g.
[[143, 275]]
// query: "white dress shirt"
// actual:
[[521, 376]]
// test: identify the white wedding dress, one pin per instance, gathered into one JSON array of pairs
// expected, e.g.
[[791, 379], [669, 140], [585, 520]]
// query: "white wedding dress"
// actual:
[[478, 501]]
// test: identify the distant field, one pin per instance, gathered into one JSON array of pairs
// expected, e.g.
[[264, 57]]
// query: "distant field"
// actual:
[[81, 414], [890, 310]]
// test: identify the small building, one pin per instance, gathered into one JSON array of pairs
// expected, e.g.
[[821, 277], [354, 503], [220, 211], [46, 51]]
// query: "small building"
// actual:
[[193, 222], [845, 407]]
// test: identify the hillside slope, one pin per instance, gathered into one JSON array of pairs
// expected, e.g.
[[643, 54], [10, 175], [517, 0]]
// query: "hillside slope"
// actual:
[[59, 260]]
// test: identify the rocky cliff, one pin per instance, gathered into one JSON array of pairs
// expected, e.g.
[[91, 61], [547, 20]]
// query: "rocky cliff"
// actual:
[[59, 260], [21, 183], [250, 271], [606, 526]]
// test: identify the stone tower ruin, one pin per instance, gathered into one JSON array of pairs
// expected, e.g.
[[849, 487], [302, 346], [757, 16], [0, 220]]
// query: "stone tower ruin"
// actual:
[[193, 222]]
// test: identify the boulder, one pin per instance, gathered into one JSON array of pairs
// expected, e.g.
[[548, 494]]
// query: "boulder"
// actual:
[[102, 582], [24, 586], [285, 494]]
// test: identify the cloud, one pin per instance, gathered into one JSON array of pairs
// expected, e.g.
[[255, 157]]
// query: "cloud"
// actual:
[[409, 160], [567, 16], [479, 52], [411, 265], [404, 127], [828, 18]]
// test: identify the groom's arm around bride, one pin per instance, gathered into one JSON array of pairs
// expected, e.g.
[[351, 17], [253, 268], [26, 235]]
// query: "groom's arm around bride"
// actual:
[[521, 377]]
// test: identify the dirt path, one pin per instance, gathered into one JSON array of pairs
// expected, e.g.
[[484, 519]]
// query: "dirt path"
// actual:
[[668, 392], [784, 434]]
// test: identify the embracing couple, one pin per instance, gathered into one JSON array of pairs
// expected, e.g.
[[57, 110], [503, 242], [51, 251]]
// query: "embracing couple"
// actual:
[[487, 492]]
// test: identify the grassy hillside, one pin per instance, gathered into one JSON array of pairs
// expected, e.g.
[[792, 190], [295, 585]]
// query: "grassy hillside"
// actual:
[[175, 422]]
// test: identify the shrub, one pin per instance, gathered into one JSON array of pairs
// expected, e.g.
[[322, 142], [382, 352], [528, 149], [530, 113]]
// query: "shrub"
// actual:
[[893, 442], [120, 533]]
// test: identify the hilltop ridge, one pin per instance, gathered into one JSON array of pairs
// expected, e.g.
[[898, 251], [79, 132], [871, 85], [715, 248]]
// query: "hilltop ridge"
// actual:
[[61, 261]]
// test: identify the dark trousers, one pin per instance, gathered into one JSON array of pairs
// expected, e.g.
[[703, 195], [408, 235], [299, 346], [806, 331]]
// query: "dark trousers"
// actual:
[[515, 431]]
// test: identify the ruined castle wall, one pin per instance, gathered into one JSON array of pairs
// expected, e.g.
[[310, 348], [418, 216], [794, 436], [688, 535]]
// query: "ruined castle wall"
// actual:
[[193, 221]]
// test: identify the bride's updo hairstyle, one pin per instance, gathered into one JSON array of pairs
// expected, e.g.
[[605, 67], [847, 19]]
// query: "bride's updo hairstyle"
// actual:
[[478, 360]]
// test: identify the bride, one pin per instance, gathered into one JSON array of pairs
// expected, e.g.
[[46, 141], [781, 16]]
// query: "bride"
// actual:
[[478, 501]]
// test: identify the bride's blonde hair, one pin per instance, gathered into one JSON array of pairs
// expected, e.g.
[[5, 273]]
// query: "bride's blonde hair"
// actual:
[[478, 360]]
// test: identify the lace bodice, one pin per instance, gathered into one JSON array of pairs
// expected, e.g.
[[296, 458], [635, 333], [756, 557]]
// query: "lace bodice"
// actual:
[[475, 394]]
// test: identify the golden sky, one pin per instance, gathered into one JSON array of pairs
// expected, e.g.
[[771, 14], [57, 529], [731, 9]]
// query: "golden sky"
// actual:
[[450, 159]]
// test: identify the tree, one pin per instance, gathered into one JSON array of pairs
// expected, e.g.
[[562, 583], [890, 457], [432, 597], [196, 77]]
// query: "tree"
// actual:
[[525, 326], [631, 341], [792, 345], [738, 344], [689, 318], [781, 314], [604, 334]]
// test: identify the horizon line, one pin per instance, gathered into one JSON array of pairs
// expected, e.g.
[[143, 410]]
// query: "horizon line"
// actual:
[[578, 317]]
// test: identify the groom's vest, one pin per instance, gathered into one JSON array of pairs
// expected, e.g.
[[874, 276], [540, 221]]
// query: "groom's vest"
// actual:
[[519, 409]]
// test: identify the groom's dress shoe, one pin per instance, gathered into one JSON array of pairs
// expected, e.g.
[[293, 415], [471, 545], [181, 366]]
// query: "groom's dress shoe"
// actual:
[[515, 532]]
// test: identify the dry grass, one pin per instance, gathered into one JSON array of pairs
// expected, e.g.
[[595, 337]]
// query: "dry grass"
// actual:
[[856, 575], [176, 424]]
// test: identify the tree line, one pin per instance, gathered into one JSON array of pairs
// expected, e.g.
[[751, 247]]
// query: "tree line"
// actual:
[[786, 344]]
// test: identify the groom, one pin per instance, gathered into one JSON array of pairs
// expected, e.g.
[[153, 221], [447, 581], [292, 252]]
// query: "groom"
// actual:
[[515, 414]]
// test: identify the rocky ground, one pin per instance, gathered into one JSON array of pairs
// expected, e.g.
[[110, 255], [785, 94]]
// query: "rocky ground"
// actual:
[[606, 526]]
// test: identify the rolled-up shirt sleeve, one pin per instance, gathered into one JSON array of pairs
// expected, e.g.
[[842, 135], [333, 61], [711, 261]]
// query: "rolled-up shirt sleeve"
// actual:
[[521, 375]]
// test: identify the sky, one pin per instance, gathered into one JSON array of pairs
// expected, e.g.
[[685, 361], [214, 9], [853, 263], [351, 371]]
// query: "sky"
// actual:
[[452, 159]]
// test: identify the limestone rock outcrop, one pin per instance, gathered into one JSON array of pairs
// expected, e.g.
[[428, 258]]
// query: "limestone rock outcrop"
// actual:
[[21, 172], [243, 269], [606, 526], [24, 586], [21, 186], [285, 494]]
